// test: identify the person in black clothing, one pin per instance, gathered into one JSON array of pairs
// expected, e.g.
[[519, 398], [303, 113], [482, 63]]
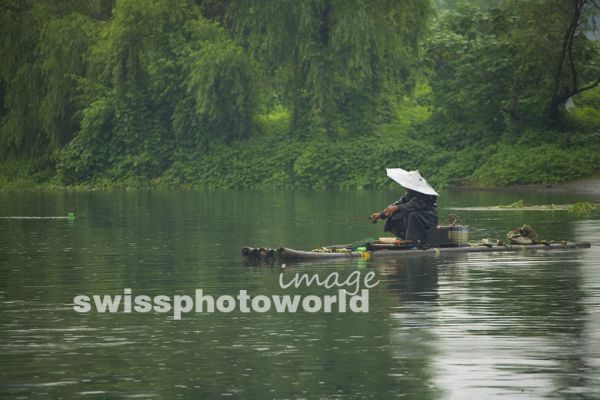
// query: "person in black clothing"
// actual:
[[411, 217]]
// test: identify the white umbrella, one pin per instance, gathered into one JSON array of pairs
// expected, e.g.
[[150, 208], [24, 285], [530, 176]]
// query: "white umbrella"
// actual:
[[411, 180]]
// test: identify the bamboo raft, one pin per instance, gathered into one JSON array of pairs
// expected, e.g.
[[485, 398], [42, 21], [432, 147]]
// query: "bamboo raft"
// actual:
[[337, 252]]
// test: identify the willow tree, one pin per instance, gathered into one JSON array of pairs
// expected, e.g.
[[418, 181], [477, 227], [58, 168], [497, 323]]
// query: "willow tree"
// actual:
[[19, 78], [164, 81], [42, 47], [128, 95], [220, 88], [333, 62]]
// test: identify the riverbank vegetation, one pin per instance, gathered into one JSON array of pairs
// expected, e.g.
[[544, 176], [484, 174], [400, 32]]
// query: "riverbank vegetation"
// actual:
[[314, 93]]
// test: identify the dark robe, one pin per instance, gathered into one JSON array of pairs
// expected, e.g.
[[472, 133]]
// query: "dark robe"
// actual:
[[417, 214]]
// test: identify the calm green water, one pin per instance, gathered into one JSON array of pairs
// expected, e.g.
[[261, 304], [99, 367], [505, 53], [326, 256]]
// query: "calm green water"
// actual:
[[469, 326]]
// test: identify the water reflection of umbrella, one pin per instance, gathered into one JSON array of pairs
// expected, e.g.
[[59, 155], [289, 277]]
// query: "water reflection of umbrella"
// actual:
[[411, 180]]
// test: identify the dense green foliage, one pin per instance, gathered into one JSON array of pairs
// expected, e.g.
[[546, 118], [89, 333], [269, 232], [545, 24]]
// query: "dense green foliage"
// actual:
[[311, 93], [495, 70], [165, 81], [339, 63]]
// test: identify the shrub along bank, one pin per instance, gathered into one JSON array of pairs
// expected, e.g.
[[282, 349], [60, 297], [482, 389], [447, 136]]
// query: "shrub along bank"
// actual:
[[277, 161]]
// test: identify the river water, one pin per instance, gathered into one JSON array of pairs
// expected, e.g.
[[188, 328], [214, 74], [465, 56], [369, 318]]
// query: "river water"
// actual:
[[466, 326]]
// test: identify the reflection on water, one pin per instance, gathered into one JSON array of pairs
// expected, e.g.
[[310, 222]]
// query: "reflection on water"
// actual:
[[460, 326]]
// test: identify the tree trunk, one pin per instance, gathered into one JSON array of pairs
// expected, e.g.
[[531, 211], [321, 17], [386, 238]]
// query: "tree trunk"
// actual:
[[558, 95]]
